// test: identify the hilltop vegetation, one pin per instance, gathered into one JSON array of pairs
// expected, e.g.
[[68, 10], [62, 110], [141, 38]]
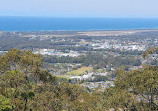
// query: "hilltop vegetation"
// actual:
[[26, 86]]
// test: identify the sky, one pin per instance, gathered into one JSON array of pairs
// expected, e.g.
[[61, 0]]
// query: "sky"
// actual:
[[80, 8]]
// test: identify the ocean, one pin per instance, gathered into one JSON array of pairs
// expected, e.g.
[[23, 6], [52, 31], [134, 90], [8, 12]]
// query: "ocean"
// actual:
[[74, 24]]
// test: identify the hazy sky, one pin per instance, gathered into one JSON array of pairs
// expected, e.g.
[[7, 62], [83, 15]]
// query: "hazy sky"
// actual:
[[80, 8]]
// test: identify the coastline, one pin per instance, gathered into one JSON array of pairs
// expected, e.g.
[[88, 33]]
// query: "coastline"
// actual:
[[87, 33], [104, 30]]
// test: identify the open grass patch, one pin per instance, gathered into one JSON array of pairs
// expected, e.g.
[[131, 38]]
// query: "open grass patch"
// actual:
[[80, 71]]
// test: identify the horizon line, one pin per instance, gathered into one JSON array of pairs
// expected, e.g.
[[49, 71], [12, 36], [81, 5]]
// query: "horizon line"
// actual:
[[80, 17]]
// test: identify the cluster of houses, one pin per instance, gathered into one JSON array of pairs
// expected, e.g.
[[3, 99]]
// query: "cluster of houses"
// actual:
[[103, 84], [114, 44], [88, 76], [54, 52]]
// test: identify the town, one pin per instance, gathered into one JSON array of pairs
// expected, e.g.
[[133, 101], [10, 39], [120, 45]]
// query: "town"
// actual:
[[90, 58]]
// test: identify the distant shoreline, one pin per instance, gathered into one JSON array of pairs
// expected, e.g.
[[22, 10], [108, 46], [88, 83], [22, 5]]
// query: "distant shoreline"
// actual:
[[154, 29], [98, 33]]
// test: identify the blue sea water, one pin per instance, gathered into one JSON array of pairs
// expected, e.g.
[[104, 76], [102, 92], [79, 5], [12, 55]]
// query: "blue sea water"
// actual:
[[74, 24]]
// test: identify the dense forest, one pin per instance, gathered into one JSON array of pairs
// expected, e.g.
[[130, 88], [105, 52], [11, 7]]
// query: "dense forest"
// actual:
[[26, 86], [96, 59]]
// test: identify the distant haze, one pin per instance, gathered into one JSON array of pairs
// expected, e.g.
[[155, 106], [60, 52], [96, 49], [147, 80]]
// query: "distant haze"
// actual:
[[80, 8]]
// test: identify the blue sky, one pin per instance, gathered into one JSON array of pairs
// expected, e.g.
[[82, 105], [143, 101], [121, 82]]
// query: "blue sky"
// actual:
[[80, 8]]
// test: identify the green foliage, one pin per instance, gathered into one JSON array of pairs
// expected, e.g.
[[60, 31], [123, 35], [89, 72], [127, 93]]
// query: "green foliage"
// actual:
[[96, 60], [150, 51], [143, 83], [25, 86], [119, 99], [24, 61], [5, 104]]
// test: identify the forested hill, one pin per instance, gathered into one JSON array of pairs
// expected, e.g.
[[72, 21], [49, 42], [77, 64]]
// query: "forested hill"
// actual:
[[26, 86]]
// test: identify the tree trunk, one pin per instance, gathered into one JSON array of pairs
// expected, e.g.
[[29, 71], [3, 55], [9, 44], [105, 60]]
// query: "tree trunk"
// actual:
[[25, 105]]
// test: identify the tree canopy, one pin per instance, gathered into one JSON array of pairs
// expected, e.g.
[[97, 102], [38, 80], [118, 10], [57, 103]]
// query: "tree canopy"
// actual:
[[26, 86]]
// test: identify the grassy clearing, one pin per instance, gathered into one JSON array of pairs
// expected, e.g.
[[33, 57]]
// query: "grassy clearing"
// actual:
[[63, 77], [80, 71]]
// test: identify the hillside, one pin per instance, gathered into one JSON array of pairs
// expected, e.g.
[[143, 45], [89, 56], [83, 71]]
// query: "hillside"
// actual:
[[26, 86]]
